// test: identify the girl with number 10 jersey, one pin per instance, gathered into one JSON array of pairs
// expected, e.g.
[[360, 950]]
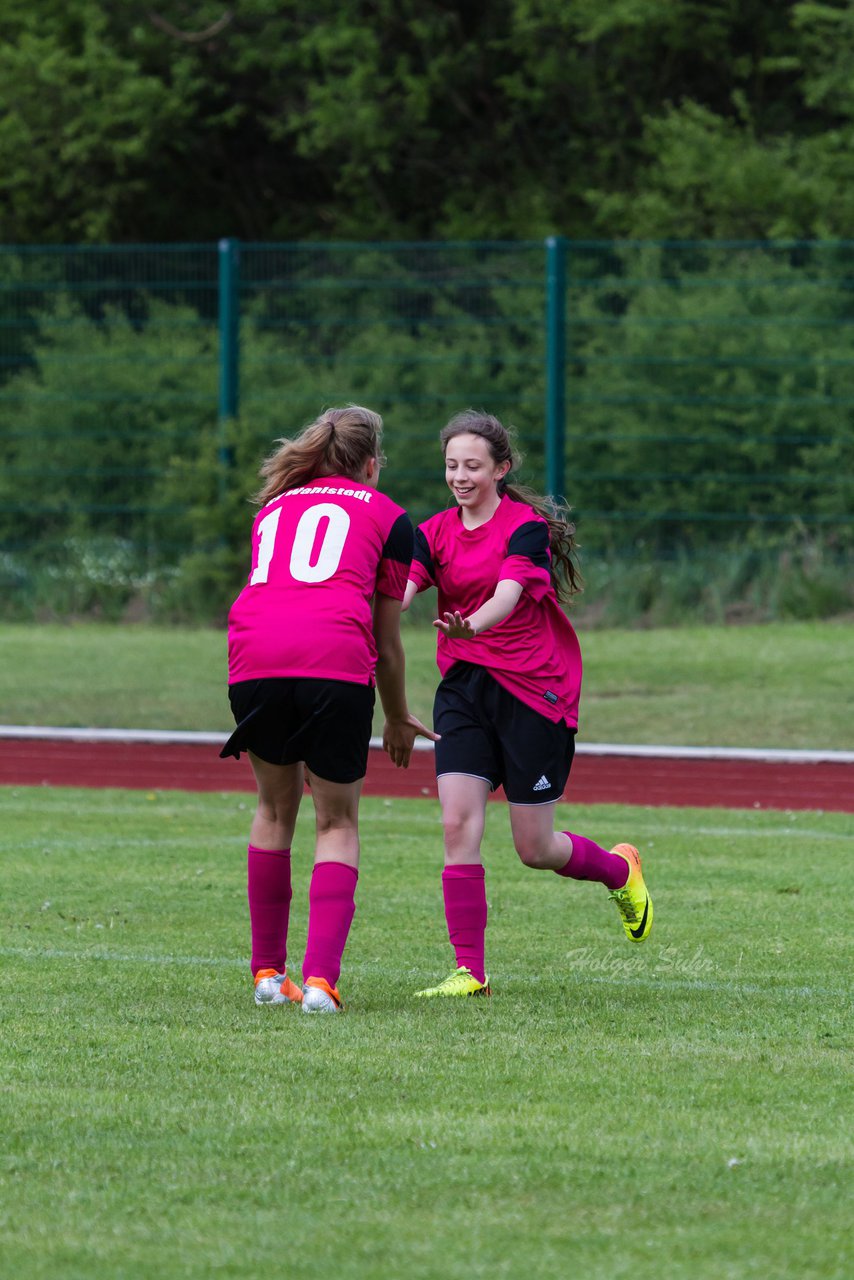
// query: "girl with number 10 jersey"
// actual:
[[316, 627]]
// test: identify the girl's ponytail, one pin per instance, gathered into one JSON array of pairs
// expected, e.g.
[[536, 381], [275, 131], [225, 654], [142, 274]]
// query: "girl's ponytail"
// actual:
[[338, 443]]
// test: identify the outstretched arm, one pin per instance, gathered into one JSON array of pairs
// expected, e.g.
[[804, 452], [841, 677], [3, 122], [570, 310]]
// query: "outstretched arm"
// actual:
[[498, 607], [401, 727]]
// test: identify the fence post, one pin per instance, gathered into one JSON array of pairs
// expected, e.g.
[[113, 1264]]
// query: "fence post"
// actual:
[[555, 364], [229, 349]]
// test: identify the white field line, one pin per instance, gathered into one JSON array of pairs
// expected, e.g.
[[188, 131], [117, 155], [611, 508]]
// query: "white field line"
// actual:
[[118, 957], [652, 831], [188, 737], [574, 974]]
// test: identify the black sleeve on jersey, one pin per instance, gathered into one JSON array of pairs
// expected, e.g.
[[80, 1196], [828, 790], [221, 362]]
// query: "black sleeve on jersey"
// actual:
[[422, 553], [531, 540], [398, 544]]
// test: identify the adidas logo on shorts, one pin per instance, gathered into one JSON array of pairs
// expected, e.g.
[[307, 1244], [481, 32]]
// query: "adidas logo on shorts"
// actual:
[[543, 784]]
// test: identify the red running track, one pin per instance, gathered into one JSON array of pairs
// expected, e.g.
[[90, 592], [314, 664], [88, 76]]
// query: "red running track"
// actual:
[[598, 777]]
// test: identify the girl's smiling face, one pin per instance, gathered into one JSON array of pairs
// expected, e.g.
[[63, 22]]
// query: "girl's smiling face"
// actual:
[[470, 472]]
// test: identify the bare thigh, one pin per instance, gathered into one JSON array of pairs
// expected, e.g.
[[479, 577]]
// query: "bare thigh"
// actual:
[[463, 800], [336, 810], [280, 789]]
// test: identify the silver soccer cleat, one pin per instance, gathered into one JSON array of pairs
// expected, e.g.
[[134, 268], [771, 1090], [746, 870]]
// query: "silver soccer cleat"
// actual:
[[319, 997]]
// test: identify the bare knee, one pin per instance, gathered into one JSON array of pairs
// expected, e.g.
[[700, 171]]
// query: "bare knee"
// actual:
[[279, 791], [335, 823], [454, 827], [462, 832], [272, 810], [533, 852]]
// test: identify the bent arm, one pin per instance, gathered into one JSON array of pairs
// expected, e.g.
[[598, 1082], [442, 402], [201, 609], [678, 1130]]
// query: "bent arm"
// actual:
[[498, 607], [401, 727], [391, 661]]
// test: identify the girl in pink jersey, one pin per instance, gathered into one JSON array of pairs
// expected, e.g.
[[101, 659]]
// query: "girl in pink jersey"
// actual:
[[507, 706], [315, 628]]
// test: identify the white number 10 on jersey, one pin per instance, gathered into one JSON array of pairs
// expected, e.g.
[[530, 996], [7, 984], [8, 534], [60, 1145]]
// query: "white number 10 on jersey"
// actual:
[[327, 554]]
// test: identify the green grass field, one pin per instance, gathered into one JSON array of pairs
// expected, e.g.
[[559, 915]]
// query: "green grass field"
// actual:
[[780, 685], [666, 1111]]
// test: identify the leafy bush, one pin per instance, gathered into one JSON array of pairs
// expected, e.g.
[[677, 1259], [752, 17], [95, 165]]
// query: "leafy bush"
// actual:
[[710, 447]]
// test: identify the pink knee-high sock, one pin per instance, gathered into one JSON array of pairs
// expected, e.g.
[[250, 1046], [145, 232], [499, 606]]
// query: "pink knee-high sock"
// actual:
[[331, 907], [269, 890], [464, 890], [589, 861]]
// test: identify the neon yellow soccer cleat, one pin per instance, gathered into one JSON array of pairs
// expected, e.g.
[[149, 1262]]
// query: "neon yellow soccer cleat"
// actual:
[[461, 982], [633, 901]]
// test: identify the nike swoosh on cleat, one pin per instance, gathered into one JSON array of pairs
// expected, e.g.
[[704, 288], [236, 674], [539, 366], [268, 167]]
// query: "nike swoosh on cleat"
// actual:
[[637, 933]]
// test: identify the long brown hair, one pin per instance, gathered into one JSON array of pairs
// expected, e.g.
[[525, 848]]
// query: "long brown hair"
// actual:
[[566, 576], [338, 443]]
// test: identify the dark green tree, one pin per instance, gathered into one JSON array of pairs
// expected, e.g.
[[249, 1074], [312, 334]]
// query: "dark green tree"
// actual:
[[414, 119]]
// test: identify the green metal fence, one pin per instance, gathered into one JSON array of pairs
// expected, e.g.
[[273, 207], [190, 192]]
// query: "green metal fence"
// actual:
[[691, 400]]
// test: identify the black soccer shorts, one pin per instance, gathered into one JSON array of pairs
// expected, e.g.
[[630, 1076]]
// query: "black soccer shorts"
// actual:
[[285, 720], [488, 733]]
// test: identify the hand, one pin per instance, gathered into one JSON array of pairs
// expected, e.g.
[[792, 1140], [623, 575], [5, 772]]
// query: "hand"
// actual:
[[455, 626], [399, 735]]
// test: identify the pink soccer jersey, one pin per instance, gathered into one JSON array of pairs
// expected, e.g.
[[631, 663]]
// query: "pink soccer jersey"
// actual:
[[319, 555], [534, 653]]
